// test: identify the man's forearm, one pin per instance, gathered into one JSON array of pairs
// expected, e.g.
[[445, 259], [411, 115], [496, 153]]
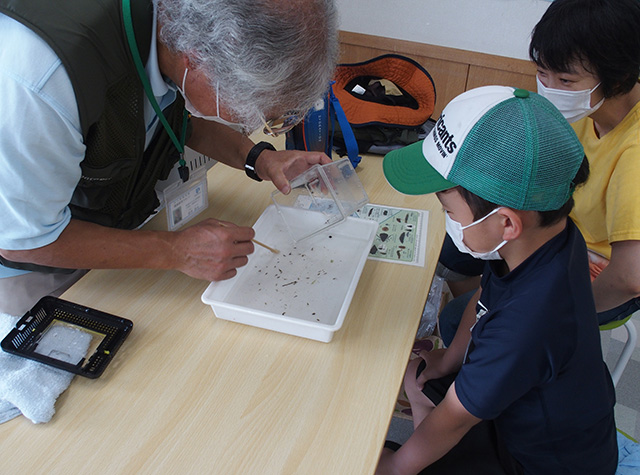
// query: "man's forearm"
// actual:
[[220, 143], [84, 245], [209, 250]]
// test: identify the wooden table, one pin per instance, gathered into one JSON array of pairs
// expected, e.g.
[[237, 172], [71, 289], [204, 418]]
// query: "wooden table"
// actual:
[[188, 393]]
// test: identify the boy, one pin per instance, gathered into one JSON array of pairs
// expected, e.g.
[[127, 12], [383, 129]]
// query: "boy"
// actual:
[[504, 163]]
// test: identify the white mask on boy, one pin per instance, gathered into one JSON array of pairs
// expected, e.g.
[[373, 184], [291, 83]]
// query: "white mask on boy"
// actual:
[[456, 232], [573, 105], [213, 118]]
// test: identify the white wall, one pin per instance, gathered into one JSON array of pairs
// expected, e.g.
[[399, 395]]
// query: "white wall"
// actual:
[[499, 27]]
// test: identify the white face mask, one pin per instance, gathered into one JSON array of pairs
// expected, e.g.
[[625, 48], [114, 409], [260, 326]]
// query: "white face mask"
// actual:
[[213, 118], [574, 105], [456, 231]]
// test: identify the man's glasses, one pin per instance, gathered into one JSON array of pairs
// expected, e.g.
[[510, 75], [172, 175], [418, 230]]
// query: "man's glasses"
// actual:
[[283, 124]]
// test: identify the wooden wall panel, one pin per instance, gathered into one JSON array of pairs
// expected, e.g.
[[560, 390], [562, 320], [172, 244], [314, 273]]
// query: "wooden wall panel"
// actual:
[[480, 76], [453, 71], [357, 53], [450, 80]]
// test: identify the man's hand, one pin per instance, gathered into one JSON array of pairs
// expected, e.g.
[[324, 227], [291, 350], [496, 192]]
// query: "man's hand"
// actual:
[[281, 166], [212, 249]]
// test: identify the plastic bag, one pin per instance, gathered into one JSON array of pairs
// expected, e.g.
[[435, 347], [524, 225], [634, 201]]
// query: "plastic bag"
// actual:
[[429, 319]]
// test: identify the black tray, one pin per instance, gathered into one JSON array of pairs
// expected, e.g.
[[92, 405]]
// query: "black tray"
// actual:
[[106, 333]]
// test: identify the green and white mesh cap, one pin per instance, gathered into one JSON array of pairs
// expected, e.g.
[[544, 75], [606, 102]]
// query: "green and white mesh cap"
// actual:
[[509, 146]]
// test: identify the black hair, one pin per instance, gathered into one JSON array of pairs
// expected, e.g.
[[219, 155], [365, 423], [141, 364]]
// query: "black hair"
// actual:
[[602, 35], [481, 207]]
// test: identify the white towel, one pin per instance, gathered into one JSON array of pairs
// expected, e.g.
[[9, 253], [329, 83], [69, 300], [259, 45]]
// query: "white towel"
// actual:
[[30, 387]]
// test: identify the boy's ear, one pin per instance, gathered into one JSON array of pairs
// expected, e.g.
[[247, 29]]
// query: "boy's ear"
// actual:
[[512, 222]]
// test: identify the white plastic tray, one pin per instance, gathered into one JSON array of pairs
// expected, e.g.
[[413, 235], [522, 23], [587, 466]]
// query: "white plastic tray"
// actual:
[[306, 289]]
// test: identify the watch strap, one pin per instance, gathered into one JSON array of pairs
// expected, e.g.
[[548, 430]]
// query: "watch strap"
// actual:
[[252, 156]]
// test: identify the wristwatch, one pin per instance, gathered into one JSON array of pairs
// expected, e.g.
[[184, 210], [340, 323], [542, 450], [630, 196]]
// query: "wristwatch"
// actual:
[[252, 156]]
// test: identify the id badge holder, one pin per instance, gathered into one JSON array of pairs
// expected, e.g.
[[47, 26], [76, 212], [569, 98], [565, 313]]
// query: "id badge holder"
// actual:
[[185, 200]]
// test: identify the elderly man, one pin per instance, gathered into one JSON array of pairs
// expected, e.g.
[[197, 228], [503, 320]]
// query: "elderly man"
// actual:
[[99, 99]]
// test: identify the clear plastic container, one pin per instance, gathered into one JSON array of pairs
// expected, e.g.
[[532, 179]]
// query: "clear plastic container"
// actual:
[[332, 191]]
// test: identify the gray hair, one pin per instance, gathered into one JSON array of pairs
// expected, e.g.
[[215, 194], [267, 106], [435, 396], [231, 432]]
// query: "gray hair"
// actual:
[[264, 55]]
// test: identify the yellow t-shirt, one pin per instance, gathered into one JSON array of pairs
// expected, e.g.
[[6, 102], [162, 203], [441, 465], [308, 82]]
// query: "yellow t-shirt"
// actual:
[[607, 206]]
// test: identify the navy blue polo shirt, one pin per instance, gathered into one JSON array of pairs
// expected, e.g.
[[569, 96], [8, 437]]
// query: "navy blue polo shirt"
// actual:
[[534, 362]]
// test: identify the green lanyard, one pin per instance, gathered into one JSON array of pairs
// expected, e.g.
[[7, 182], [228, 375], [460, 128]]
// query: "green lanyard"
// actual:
[[131, 38]]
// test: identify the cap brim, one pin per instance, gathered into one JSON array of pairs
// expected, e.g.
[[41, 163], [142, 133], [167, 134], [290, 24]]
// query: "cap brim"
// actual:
[[410, 173]]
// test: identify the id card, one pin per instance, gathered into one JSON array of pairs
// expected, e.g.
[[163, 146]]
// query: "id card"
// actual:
[[186, 201]]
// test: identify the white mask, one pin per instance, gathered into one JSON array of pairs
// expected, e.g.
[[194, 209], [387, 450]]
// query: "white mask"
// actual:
[[213, 118], [573, 105], [456, 231]]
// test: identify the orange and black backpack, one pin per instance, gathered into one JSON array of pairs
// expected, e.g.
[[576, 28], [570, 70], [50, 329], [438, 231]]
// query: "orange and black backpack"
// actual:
[[386, 100], [373, 106]]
